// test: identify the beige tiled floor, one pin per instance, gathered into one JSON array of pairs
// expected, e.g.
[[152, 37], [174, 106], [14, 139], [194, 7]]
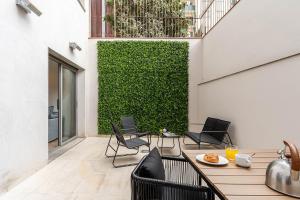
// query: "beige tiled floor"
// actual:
[[82, 173]]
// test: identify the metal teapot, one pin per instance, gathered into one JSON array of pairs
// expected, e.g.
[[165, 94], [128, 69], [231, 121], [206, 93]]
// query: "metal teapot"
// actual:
[[283, 175]]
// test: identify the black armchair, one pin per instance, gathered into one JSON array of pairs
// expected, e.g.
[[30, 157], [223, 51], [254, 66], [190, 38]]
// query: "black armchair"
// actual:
[[134, 143], [180, 182], [130, 128], [215, 131]]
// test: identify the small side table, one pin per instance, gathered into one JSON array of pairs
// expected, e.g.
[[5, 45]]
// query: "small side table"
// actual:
[[172, 136]]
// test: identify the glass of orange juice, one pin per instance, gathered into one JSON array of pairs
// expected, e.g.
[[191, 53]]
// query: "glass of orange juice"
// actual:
[[231, 151]]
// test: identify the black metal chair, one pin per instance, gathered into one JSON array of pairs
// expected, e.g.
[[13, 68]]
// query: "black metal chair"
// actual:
[[130, 128], [133, 143], [215, 131], [181, 182]]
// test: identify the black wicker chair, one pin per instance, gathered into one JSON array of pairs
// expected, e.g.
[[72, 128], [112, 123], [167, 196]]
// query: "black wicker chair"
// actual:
[[215, 131], [133, 143], [181, 182]]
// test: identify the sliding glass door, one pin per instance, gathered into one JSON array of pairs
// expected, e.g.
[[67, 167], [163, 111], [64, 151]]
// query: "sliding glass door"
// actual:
[[68, 103], [62, 114]]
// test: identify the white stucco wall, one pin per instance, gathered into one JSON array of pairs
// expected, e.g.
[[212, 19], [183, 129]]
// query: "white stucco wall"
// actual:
[[25, 39], [92, 82], [262, 104], [254, 32]]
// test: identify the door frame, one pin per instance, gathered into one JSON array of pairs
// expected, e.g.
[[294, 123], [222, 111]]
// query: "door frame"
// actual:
[[61, 65]]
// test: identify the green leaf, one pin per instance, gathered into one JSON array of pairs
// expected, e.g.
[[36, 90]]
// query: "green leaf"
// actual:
[[145, 79]]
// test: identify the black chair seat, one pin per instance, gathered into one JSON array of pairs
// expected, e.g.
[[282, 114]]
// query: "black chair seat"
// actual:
[[214, 131], [139, 134], [194, 136], [204, 138], [135, 142]]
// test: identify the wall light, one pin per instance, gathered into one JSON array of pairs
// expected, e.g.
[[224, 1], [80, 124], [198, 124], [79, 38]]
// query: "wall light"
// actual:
[[74, 45], [28, 7]]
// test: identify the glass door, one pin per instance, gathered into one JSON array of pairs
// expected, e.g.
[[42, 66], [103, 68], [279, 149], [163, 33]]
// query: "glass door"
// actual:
[[68, 103], [53, 105]]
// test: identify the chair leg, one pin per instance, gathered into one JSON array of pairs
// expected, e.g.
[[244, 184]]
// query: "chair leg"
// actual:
[[171, 147], [113, 162], [162, 144], [149, 138], [178, 139], [200, 142], [149, 142], [184, 140], [108, 145], [179, 147], [121, 155], [173, 144], [200, 181], [125, 165], [213, 196], [229, 139], [145, 150]]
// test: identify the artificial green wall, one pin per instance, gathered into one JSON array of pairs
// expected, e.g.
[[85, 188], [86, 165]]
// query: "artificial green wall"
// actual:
[[145, 79]]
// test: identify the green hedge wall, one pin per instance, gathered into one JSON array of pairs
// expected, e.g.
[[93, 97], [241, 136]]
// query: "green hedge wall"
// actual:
[[145, 79]]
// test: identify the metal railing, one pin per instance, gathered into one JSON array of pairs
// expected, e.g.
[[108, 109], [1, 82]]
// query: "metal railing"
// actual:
[[160, 18], [152, 18], [213, 12]]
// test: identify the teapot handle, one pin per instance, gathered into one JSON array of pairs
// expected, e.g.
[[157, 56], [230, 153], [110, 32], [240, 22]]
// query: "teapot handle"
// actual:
[[294, 156]]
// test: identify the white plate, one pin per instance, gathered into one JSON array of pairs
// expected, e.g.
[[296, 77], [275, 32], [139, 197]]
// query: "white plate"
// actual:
[[222, 160]]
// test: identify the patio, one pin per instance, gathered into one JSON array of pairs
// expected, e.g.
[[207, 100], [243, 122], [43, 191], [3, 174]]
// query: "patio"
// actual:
[[222, 73], [82, 173]]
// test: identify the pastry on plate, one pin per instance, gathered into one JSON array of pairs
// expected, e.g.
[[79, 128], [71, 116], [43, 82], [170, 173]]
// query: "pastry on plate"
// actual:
[[211, 157]]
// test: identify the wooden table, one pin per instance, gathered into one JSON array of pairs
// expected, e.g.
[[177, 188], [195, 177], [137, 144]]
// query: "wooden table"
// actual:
[[236, 183]]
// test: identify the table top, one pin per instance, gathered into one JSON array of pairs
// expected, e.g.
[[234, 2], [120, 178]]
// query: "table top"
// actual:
[[170, 135], [236, 183]]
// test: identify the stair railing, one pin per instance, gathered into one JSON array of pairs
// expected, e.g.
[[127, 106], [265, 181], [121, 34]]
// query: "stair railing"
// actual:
[[213, 12]]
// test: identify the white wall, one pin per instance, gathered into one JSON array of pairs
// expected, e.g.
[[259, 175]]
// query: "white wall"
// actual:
[[262, 104], [25, 39], [92, 82], [254, 32]]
